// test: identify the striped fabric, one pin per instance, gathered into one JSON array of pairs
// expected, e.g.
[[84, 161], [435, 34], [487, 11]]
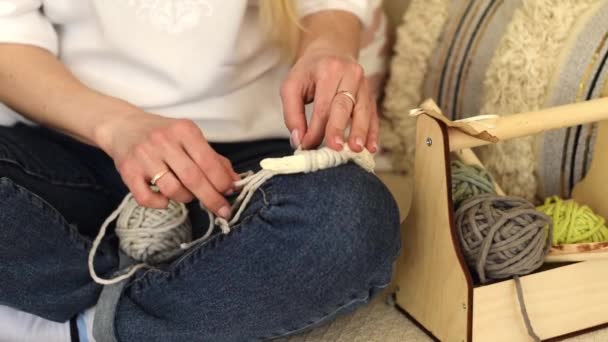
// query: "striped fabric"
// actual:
[[458, 68], [458, 65], [566, 155]]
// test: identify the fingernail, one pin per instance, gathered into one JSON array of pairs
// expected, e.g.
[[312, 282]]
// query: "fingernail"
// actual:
[[224, 212], [339, 141], [359, 142], [374, 147], [295, 139]]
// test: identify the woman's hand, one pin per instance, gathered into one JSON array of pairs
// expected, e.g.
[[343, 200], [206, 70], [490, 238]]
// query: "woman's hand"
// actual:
[[325, 77], [144, 145]]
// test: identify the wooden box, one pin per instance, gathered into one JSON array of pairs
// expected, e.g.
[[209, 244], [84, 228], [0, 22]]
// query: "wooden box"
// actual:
[[434, 285]]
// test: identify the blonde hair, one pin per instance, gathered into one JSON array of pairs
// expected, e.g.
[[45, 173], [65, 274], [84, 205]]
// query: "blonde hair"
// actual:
[[280, 19]]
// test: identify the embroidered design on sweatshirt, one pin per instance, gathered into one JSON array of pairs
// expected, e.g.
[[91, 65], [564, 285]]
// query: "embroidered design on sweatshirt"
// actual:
[[172, 16]]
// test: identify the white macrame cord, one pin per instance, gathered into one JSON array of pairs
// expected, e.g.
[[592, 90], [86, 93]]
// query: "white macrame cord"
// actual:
[[153, 236]]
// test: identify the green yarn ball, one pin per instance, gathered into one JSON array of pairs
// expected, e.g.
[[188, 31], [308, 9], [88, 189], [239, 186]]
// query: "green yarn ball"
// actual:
[[574, 223], [469, 181]]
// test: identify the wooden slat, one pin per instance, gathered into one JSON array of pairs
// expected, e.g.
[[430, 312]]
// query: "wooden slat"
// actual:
[[530, 123], [400, 186], [577, 256], [433, 286], [582, 247], [559, 301], [593, 188]]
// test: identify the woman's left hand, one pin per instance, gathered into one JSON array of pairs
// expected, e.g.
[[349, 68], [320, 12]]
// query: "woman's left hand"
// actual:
[[329, 80]]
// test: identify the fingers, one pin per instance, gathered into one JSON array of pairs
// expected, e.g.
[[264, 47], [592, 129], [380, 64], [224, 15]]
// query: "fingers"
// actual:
[[207, 160], [196, 169], [228, 165], [326, 87], [150, 158], [342, 97], [193, 178], [135, 179], [172, 188], [145, 196], [361, 119], [292, 97], [374, 128], [196, 166], [342, 107]]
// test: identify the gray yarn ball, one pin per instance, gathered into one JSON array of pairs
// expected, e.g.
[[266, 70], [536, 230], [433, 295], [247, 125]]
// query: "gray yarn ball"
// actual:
[[502, 236], [153, 235]]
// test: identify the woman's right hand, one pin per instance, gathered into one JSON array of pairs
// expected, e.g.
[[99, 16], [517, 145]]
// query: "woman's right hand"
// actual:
[[142, 145]]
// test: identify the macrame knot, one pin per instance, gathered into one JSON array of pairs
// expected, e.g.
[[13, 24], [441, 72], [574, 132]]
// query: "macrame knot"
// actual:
[[502, 237], [305, 161], [321, 159], [325, 158], [153, 235], [574, 223], [469, 181]]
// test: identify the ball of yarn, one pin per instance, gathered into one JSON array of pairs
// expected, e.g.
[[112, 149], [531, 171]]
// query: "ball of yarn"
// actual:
[[574, 223], [153, 235], [502, 237], [469, 181]]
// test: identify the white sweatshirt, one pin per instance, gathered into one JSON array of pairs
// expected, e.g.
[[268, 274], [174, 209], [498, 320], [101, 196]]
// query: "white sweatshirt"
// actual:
[[206, 60]]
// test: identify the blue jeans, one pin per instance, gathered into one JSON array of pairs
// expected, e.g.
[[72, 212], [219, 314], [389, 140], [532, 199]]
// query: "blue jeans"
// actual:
[[308, 247]]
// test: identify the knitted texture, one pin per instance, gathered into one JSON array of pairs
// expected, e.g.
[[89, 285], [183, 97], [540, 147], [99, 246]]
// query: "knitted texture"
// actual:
[[417, 38], [574, 223], [517, 80], [502, 236]]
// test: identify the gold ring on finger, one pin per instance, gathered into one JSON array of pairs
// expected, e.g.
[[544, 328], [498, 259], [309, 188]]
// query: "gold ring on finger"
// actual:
[[158, 176], [349, 95]]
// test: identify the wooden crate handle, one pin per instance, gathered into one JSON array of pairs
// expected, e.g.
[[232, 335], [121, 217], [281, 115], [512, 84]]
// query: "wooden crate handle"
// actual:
[[530, 123]]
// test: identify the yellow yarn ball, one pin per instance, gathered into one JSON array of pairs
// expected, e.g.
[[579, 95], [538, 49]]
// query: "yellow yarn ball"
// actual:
[[574, 223]]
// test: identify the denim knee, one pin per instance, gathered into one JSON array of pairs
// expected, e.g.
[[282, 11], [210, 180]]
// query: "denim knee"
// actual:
[[309, 247], [350, 218], [44, 269]]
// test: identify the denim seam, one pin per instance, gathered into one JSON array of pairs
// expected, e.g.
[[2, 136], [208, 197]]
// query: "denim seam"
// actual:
[[204, 245], [336, 308], [49, 180], [48, 209]]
